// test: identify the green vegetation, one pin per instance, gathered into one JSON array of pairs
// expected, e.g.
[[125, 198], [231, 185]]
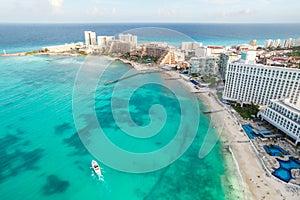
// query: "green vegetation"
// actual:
[[297, 48], [31, 52], [82, 53], [213, 81], [247, 110], [294, 54], [143, 59], [209, 79], [219, 95]]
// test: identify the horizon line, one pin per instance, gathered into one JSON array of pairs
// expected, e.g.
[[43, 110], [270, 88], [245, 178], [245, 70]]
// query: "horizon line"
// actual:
[[149, 22]]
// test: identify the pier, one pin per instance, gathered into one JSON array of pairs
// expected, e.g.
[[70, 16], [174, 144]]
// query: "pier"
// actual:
[[172, 78], [212, 111], [132, 75]]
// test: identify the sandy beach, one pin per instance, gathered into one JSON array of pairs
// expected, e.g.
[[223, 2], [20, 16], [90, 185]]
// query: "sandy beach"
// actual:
[[257, 183], [251, 180]]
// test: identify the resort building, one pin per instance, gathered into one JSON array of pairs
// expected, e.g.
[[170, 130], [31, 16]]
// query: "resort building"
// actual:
[[194, 65], [223, 60], [268, 43], [172, 58], [253, 43], [222, 65], [276, 43], [202, 52], [203, 66], [284, 116], [90, 38], [190, 46], [288, 43], [155, 50], [104, 41], [117, 46], [248, 82], [132, 39], [297, 42]]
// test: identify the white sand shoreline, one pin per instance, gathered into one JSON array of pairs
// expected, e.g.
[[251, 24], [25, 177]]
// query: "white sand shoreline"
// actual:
[[255, 182], [258, 183]]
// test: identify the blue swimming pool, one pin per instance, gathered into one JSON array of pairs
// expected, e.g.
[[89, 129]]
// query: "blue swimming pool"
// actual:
[[284, 171], [265, 132], [194, 82], [275, 150], [283, 174], [249, 131]]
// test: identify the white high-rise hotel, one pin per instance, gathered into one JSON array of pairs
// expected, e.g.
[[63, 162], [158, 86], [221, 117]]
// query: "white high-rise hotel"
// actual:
[[284, 116], [249, 82], [90, 38], [277, 88], [132, 39]]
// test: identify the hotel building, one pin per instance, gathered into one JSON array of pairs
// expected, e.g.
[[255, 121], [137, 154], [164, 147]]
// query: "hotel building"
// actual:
[[90, 38], [104, 41], [288, 43], [203, 66], [132, 39], [172, 58], [117, 46], [268, 43], [284, 116], [222, 65], [190, 46], [248, 82], [297, 42], [155, 50]]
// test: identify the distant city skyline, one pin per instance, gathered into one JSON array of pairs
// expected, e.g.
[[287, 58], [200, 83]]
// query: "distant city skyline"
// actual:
[[201, 11]]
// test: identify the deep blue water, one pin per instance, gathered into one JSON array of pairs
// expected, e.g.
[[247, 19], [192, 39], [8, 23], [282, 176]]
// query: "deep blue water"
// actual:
[[25, 37]]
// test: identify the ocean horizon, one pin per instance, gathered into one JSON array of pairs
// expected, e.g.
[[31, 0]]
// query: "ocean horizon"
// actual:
[[20, 37]]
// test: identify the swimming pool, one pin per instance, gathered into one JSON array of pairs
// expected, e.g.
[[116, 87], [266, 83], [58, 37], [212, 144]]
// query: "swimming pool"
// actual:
[[284, 171], [275, 150], [283, 174], [249, 131]]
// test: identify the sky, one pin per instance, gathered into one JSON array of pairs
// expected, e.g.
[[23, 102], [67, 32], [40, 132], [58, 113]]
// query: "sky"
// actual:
[[102, 11]]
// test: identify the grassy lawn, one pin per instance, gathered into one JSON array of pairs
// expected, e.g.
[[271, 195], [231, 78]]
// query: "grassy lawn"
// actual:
[[219, 95], [247, 110]]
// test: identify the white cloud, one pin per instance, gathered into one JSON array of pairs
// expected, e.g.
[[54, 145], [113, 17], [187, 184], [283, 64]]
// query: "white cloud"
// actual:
[[95, 11], [56, 5], [114, 11], [167, 11], [241, 12]]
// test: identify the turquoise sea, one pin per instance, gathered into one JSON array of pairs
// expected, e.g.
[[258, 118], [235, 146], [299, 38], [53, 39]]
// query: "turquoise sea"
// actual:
[[43, 156]]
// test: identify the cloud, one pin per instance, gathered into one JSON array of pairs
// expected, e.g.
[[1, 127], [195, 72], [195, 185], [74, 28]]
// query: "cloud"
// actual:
[[241, 12], [167, 11], [114, 11], [95, 11], [56, 5]]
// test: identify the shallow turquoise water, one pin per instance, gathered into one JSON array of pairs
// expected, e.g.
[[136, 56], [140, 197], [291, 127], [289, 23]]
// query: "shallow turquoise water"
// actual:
[[42, 156]]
